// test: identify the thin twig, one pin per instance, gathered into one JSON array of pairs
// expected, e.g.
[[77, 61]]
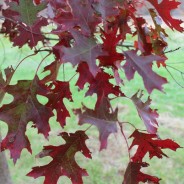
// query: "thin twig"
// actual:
[[173, 78], [88, 128], [41, 63], [172, 50], [121, 128], [20, 63], [175, 69], [129, 124]]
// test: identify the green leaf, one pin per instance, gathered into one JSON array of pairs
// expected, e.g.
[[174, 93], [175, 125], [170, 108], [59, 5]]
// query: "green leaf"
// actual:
[[27, 10]]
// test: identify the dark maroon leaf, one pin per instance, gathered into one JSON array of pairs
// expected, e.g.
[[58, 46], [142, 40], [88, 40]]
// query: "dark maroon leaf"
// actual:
[[53, 69], [84, 75], [59, 90], [4, 82], [30, 35], [77, 14], [110, 42], [133, 175], [23, 109], [63, 163], [102, 87]]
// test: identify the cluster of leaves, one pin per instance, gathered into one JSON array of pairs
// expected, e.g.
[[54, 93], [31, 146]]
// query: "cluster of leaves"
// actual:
[[77, 25]]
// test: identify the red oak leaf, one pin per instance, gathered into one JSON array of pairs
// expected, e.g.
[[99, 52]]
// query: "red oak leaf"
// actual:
[[63, 163], [81, 15], [64, 40], [84, 14], [150, 143], [56, 96], [84, 50], [20, 33], [4, 82], [143, 65], [102, 87], [144, 43], [148, 115], [110, 41], [106, 8], [84, 75], [9, 27], [157, 22], [133, 175], [165, 13], [23, 109], [30, 35], [102, 118], [53, 69], [121, 21]]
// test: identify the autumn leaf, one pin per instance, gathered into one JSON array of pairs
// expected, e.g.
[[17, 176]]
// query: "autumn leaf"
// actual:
[[143, 65], [165, 13], [106, 8], [30, 35], [84, 16], [150, 143], [148, 115], [95, 37], [85, 75], [4, 82], [110, 42], [23, 109], [63, 163], [59, 90], [84, 50], [53, 70], [133, 175], [102, 118], [102, 87], [76, 14]]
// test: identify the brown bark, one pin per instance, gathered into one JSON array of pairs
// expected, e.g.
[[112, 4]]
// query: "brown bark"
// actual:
[[4, 170]]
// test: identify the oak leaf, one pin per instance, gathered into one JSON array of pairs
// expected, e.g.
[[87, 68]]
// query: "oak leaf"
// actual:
[[165, 13], [133, 175], [24, 108], [143, 65], [63, 163], [148, 115], [102, 118], [102, 87], [150, 143], [59, 90], [27, 10], [85, 49]]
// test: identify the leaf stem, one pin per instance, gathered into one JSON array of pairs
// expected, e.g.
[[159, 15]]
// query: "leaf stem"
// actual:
[[121, 128], [20, 63], [40, 64]]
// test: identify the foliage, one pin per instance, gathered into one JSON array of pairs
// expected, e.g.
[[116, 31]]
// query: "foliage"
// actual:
[[87, 34]]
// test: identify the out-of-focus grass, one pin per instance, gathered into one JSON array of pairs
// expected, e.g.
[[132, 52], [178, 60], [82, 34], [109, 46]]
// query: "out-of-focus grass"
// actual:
[[109, 165]]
